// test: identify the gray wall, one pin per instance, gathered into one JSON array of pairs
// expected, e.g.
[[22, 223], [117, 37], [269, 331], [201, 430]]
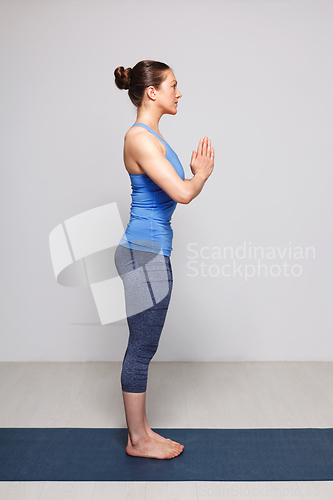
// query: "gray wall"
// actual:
[[256, 77]]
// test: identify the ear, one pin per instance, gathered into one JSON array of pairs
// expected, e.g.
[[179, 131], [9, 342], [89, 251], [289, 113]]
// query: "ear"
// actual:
[[151, 92]]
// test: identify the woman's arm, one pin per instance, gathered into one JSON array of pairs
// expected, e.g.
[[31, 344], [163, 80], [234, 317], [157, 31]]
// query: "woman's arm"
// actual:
[[150, 158]]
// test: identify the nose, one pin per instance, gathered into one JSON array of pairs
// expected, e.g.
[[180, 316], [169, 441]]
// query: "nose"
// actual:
[[179, 95]]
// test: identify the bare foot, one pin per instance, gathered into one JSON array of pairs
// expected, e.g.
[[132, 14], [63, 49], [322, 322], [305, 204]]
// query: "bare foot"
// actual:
[[152, 448], [158, 437]]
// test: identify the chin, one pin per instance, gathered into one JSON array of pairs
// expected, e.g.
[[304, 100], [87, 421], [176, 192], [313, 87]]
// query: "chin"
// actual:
[[170, 112]]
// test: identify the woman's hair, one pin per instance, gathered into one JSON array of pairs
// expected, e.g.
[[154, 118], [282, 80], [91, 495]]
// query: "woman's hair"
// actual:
[[144, 74]]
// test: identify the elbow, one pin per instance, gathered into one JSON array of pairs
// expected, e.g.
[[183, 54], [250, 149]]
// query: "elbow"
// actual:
[[185, 199], [185, 196]]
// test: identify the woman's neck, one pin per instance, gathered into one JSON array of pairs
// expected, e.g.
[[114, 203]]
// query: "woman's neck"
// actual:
[[148, 118]]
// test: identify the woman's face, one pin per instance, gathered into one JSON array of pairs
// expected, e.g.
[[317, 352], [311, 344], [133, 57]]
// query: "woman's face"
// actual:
[[167, 95]]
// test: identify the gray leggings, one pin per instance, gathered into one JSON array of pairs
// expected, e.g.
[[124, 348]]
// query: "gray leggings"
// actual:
[[147, 279]]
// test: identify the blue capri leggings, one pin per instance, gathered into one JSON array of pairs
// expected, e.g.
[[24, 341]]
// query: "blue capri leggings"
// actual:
[[147, 279]]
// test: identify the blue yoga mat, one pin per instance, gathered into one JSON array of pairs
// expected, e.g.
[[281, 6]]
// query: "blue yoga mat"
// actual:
[[70, 454]]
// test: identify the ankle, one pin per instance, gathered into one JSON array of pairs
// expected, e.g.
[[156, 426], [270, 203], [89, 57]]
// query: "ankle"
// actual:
[[137, 438]]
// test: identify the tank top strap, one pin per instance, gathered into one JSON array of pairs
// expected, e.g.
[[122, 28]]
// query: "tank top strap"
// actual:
[[152, 131]]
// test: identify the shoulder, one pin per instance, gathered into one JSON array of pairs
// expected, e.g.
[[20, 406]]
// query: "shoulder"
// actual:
[[140, 139]]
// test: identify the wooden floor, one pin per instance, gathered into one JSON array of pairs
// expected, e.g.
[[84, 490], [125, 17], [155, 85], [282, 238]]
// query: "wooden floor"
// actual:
[[207, 395]]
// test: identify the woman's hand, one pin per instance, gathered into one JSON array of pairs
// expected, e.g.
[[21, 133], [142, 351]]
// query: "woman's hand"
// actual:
[[202, 161]]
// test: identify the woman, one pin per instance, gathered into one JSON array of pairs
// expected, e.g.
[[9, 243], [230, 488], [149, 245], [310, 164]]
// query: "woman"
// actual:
[[142, 257]]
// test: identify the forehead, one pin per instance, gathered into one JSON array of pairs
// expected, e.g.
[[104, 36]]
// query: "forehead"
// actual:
[[170, 76]]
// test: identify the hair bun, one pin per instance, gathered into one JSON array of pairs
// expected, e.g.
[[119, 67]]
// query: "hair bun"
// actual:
[[123, 77]]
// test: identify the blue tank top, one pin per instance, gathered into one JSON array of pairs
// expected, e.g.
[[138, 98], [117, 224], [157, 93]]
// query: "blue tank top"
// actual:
[[149, 228]]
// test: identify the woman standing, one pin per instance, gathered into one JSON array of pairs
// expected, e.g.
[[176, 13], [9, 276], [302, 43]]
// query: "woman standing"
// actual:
[[142, 257]]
